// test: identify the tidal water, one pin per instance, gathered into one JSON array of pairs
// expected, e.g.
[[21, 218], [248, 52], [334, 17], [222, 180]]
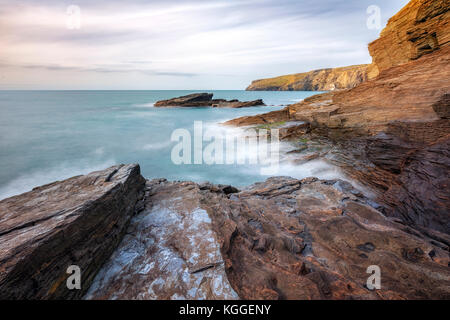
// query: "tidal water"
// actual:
[[53, 135]]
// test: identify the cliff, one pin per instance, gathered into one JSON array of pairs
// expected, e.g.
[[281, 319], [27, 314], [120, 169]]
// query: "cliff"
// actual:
[[317, 80], [421, 27], [392, 132]]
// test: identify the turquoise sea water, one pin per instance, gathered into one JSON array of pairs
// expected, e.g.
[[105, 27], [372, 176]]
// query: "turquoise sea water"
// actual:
[[52, 135]]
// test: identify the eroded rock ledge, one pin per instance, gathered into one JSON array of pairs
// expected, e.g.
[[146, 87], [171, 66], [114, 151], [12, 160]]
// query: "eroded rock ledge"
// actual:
[[279, 239]]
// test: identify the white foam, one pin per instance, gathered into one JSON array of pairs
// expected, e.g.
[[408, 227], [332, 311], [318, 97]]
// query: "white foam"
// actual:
[[145, 105], [157, 145]]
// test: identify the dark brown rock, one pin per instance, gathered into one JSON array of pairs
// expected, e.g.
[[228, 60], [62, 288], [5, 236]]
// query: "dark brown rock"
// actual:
[[78, 221], [194, 99], [206, 100]]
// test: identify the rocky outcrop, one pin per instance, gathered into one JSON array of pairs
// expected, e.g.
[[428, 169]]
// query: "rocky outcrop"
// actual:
[[79, 221], [317, 80], [280, 239], [391, 132], [170, 251], [206, 100], [421, 27]]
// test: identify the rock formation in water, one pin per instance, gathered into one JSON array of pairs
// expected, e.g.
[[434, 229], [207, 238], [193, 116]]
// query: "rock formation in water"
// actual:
[[279, 239], [393, 132], [317, 80], [206, 100]]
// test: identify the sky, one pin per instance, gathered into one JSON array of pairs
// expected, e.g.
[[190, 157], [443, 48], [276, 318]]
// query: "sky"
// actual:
[[179, 44]]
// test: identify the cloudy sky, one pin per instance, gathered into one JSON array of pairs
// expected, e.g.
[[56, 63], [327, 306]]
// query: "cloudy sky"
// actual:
[[178, 44]]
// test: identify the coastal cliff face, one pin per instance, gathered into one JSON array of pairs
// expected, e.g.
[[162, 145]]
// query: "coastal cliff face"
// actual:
[[317, 80], [421, 27], [392, 132]]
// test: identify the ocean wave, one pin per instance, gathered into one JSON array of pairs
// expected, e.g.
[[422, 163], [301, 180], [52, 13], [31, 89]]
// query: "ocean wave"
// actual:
[[157, 145], [145, 105]]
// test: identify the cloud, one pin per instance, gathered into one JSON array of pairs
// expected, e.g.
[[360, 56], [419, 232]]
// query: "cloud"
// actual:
[[161, 42]]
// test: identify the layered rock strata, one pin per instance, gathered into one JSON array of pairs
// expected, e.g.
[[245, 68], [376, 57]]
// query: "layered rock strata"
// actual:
[[279, 239], [317, 80], [392, 132], [79, 221]]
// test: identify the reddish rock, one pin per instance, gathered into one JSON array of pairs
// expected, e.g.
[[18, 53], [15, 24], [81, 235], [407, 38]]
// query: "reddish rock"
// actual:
[[392, 132], [421, 27]]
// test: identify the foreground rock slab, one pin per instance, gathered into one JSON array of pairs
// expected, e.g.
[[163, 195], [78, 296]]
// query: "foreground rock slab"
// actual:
[[206, 100], [170, 251], [279, 239], [79, 221]]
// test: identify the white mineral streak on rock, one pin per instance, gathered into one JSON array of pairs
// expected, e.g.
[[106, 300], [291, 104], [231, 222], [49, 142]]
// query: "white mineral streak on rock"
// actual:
[[170, 252]]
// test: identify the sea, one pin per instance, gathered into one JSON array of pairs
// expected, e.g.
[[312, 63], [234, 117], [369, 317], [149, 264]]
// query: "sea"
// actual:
[[53, 135]]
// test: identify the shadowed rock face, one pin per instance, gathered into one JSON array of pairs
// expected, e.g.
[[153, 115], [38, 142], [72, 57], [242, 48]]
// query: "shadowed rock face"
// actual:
[[78, 221], [280, 239], [206, 100]]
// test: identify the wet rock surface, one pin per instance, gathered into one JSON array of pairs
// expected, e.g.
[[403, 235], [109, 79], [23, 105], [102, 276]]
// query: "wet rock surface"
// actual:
[[279, 239], [78, 221], [170, 251], [206, 100]]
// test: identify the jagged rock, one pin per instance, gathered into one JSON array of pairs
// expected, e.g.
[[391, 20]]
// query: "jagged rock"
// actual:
[[279, 239], [170, 251], [317, 80], [421, 27], [78, 221], [206, 100], [314, 239]]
